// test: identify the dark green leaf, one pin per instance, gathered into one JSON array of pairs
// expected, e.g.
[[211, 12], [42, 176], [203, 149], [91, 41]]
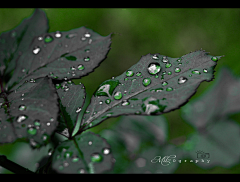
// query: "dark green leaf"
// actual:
[[87, 153], [32, 114], [16, 42], [61, 55], [148, 88]]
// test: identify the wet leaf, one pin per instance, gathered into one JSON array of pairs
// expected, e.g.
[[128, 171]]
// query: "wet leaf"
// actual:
[[72, 99], [147, 89], [60, 55], [31, 114], [87, 153], [17, 41]]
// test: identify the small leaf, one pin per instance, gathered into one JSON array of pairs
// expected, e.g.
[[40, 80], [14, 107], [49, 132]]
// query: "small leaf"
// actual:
[[31, 114], [72, 99], [16, 41], [61, 57], [146, 89], [87, 153]]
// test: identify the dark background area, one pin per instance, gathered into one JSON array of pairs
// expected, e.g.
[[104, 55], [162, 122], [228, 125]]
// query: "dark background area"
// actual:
[[171, 32]]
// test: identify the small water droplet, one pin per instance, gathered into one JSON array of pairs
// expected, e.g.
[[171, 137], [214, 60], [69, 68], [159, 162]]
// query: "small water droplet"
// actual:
[[96, 157], [164, 83], [32, 80], [125, 103], [22, 107], [154, 68], [117, 95], [214, 58], [60, 167], [75, 159], [78, 109], [182, 80], [65, 164], [86, 59], [164, 59], [21, 118], [146, 81], [140, 162], [58, 34], [45, 137], [129, 73], [155, 57], [169, 73], [40, 38], [69, 36], [177, 70], [81, 171], [196, 72], [72, 68], [80, 67], [168, 65], [205, 70], [48, 39], [106, 151], [37, 122], [48, 124], [87, 34], [32, 131], [169, 89], [90, 143], [23, 70], [100, 102], [51, 119], [108, 101], [138, 74], [36, 50], [67, 154]]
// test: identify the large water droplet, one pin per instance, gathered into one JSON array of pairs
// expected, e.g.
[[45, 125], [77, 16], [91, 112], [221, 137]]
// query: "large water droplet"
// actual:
[[118, 95], [21, 118], [154, 68], [129, 73], [36, 50], [22, 108], [182, 80], [107, 88], [146, 81], [96, 157], [48, 39]]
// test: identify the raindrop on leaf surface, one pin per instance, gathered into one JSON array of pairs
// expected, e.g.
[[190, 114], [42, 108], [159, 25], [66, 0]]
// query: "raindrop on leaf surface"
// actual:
[[32, 131], [48, 39], [129, 73], [36, 50], [21, 118], [96, 157], [177, 70], [182, 80], [118, 95], [22, 108], [146, 81]]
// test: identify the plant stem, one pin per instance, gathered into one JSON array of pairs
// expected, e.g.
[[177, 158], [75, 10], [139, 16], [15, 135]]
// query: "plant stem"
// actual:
[[13, 167]]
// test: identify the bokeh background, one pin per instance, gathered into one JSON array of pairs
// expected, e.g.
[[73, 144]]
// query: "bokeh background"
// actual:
[[136, 32]]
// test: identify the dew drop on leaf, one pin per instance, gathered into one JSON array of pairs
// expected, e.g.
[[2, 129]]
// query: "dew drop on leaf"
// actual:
[[125, 103], [129, 73], [32, 131], [154, 68], [214, 58], [146, 81], [96, 157], [168, 65], [196, 72], [86, 59], [21, 118], [155, 57], [164, 83], [58, 34], [78, 109], [22, 108], [40, 38], [81, 171], [80, 67], [48, 39], [138, 74], [106, 151], [205, 70], [182, 80], [177, 70], [108, 101], [118, 95], [169, 89], [67, 154], [87, 34], [75, 159], [36, 50], [164, 60], [37, 123]]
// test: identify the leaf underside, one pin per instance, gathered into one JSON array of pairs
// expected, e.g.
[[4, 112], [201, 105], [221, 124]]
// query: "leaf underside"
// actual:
[[144, 89]]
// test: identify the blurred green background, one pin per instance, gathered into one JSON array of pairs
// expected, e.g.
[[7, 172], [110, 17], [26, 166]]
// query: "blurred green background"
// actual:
[[139, 31]]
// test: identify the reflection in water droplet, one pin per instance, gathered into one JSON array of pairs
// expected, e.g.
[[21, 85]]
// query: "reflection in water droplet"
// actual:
[[154, 68], [182, 80]]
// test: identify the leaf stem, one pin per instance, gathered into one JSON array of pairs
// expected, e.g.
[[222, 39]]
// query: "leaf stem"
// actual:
[[13, 167]]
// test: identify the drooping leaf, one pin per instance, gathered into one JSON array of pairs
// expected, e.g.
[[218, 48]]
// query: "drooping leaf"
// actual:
[[72, 99], [61, 55], [31, 113], [139, 143], [155, 85], [222, 99], [216, 145], [87, 153], [17, 41]]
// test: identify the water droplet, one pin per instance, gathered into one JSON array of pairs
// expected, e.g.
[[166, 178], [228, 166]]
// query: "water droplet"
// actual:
[[107, 88], [214, 58], [32, 131], [83, 38], [66, 89], [129, 73], [169, 73], [22, 107], [118, 95], [51, 119], [125, 103], [45, 137], [75, 159], [178, 60], [87, 34], [205, 70], [78, 109], [100, 102], [146, 81], [23, 70], [72, 68], [48, 124], [32, 80], [96, 157], [50, 151], [58, 86], [58, 34], [164, 83], [138, 73], [87, 50], [154, 68], [40, 38], [169, 89], [156, 90], [69, 36], [164, 59], [81, 171], [67, 154], [37, 122], [196, 72], [86, 59], [90, 41], [155, 57], [106, 151], [21, 118], [36, 50], [90, 143], [182, 80], [177, 70], [80, 67], [108, 101], [48, 39], [168, 65]]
